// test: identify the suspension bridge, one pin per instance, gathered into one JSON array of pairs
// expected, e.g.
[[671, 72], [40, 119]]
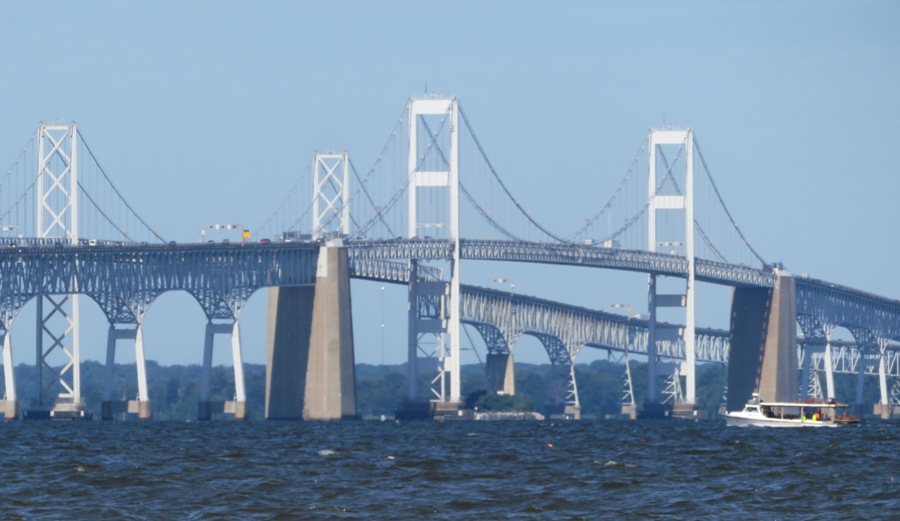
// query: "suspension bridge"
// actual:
[[430, 201]]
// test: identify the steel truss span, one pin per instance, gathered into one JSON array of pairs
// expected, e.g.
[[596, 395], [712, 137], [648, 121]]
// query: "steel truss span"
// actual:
[[564, 254], [832, 303], [124, 279], [501, 318]]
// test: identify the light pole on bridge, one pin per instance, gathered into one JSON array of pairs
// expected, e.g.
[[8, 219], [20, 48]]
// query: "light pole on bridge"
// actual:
[[500, 280], [245, 234]]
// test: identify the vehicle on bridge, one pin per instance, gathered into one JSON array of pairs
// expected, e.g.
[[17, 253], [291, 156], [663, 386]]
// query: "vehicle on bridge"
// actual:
[[757, 413]]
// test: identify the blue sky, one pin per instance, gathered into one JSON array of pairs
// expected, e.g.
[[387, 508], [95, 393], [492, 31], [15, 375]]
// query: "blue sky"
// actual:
[[207, 112]]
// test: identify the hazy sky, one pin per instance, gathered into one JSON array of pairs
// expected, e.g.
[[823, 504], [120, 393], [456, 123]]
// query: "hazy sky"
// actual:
[[207, 112]]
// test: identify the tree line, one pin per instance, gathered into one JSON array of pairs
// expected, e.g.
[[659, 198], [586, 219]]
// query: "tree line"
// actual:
[[381, 390]]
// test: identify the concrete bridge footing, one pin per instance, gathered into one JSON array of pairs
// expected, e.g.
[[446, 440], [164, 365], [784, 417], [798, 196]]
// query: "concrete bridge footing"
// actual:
[[9, 409], [109, 408]]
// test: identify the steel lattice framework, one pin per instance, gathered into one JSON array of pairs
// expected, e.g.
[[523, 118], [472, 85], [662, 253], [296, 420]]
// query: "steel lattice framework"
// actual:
[[573, 327], [125, 279], [564, 254], [830, 303], [502, 317], [868, 317]]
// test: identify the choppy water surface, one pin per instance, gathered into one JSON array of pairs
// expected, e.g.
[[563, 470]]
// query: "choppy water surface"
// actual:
[[458, 470]]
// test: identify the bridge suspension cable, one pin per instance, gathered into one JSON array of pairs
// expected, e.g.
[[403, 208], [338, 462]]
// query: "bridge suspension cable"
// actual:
[[503, 186], [629, 222], [364, 229], [117, 193], [496, 225], [724, 206], [18, 186], [619, 189], [282, 207], [107, 214]]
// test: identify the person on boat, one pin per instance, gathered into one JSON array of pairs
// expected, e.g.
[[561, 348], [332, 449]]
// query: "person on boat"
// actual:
[[815, 416]]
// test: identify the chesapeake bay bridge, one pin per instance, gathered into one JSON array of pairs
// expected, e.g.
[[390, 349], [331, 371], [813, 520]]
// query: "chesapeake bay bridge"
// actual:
[[430, 201]]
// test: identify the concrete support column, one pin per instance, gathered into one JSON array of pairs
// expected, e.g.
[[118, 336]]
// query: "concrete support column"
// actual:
[[106, 410], [829, 367], [763, 338], [310, 372], [412, 356], [778, 379], [750, 309], [885, 406], [204, 411], [240, 395], [238, 406], [330, 392], [141, 406], [290, 324], [500, 371], [652, 394], [10, 408]]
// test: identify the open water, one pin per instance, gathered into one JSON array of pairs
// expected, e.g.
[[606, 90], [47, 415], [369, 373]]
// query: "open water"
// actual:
[[453, 470]]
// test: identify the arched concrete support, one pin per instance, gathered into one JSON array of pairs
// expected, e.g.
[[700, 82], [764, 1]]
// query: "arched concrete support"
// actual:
[[141, 406], [9, 406], [763, 355], [238, 406]]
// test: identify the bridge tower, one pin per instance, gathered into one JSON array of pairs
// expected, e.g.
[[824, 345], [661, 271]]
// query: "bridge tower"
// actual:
[[57, 218], [331, 193], [661, 200], [435, 306]]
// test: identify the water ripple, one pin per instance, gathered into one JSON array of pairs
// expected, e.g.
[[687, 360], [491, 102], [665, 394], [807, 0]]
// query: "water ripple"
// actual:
[[465, 470]]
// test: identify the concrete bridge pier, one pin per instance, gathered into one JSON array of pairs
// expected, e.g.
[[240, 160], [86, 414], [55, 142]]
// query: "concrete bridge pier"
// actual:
[[763, 338], [884, 408], [238, 406], [9, 406], [500, 371], [310, 371], [141, 406]]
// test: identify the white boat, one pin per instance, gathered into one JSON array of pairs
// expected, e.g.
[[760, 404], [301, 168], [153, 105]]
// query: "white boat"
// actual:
[[789, 414]]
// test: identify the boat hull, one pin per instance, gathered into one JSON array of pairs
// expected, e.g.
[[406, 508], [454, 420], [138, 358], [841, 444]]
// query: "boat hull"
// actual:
[[739, 420]]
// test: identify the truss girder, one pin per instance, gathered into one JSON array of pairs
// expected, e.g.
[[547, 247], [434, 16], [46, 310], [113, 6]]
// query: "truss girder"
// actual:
[[125, 279], [391, 271], [493, 338], [830, 303], [577, 327], [556, 348], [567, 254], [868, 315]]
